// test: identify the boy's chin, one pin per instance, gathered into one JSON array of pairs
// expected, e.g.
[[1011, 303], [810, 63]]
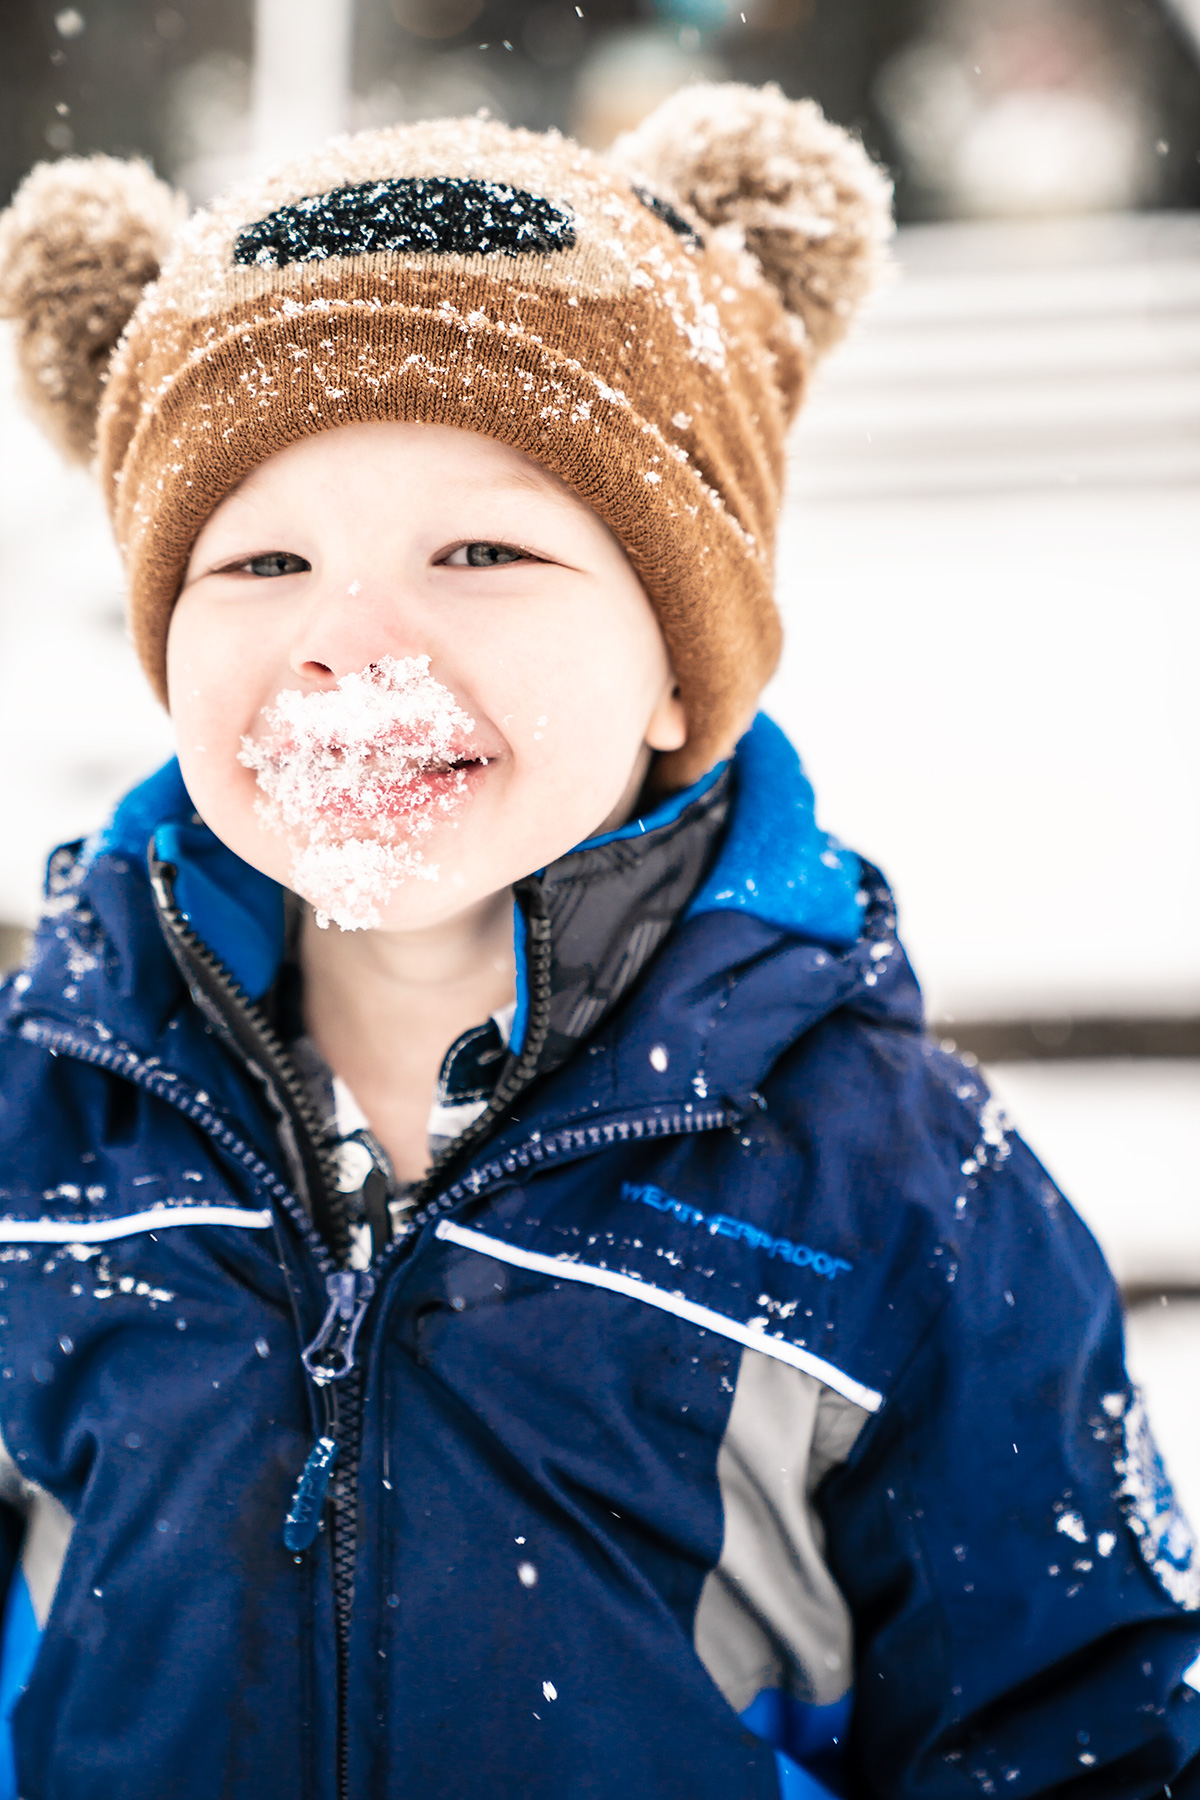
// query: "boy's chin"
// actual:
[[413, 903]]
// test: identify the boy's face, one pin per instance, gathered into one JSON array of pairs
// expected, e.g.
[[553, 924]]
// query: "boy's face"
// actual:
[[390, 541]]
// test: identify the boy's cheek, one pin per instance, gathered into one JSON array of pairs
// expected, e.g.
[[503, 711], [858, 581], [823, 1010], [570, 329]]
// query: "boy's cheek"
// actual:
[[211, 709], [208, 737]]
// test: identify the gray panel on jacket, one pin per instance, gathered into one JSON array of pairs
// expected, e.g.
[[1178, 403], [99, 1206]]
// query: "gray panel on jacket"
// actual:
[[770, 1613], [48, 1528]]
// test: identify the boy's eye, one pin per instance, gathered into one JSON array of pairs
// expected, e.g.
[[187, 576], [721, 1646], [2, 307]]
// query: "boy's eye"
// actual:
[[483, 556], [277, 562]]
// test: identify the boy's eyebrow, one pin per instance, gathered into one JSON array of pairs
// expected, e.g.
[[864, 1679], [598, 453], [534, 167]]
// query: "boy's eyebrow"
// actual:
[[526, 481]]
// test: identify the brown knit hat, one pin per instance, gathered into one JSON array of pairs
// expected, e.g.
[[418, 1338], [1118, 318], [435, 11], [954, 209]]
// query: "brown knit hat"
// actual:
[[643, 324]]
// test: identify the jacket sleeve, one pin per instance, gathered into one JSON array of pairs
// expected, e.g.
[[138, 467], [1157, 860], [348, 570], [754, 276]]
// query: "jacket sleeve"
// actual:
[[1025, 1589]]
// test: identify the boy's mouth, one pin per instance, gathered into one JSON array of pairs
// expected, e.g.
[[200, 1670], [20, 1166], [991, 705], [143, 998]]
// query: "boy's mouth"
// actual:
[[354, 775], [400, 793]]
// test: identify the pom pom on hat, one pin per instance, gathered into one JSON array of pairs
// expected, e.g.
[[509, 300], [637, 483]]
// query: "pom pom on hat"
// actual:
[[807, 200], [78, 246]]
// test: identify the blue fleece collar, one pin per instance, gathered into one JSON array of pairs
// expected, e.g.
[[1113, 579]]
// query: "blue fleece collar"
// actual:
[[775, 862], [235, 910]]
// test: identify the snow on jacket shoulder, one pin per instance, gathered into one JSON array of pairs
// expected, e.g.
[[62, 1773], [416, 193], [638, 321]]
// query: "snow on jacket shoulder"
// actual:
[[743, 1413]]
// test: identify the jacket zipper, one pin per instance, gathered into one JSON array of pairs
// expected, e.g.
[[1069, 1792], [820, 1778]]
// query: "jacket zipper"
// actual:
[[332, 1351]]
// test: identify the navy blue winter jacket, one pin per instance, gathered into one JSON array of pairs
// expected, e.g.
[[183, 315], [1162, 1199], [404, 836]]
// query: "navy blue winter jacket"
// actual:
[[744, 1412]]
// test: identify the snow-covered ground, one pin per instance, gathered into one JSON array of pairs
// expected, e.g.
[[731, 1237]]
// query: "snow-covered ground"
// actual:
[[988, 572]]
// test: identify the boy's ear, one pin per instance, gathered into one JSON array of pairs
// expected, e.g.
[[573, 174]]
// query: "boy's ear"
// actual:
[[667, 729], [78, 245], [799, 193]]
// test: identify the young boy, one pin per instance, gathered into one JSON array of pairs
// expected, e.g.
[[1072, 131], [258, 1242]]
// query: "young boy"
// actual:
[[708, 1396]]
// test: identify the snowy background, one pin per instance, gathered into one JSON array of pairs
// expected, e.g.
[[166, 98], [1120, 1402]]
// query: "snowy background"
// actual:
[[988, 556]]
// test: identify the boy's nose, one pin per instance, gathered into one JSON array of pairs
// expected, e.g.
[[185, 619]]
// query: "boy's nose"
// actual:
[[350, 625]]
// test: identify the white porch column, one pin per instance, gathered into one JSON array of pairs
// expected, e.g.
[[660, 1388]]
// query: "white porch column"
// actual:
[[301, 74]]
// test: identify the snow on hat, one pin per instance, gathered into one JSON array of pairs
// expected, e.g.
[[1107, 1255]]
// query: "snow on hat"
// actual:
[[641, 323]]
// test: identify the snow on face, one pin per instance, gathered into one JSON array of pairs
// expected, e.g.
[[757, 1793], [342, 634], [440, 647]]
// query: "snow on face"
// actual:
[[352, 776]]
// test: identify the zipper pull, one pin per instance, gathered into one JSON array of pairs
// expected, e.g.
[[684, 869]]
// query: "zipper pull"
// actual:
[[304, 1519], [330, 1356]]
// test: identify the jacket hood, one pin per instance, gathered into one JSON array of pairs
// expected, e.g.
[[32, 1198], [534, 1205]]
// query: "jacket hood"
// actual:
[[784, 927]]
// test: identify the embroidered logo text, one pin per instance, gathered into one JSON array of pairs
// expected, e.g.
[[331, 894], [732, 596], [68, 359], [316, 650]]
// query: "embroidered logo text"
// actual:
[[721, 1225]]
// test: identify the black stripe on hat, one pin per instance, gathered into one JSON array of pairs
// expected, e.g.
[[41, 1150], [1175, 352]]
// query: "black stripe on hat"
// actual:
[[431, 213]]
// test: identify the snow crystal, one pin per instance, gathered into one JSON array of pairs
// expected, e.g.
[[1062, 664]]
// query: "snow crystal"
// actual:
[[1153, 1513], [527, 1574], [991, 1121], [353, 775]]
